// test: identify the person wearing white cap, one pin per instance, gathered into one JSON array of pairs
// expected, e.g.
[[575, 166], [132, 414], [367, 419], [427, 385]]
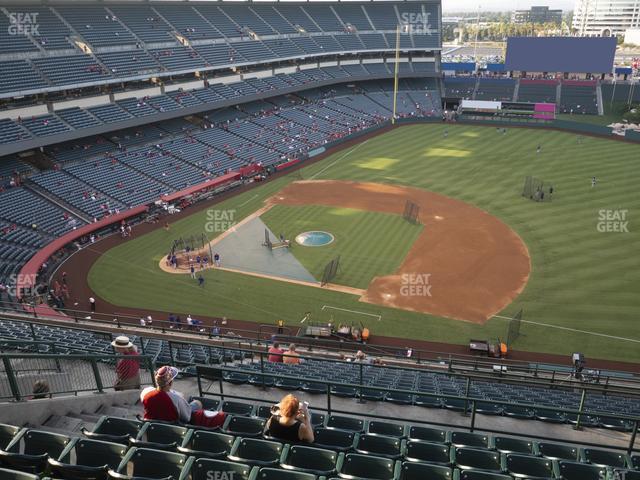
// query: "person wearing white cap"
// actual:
[[128, 367], [165, 404]]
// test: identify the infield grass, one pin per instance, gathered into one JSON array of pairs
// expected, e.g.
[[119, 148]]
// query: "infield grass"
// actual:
[[584, 290]]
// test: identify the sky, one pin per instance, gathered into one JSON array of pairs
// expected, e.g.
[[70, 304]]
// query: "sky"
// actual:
[[501, 5]]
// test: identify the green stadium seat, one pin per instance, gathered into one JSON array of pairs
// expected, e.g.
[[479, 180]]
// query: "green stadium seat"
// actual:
[[237, 408], [345, 423], [159, 436], [605, 458], [355, 466], [482, 475], [428, 402], [400, 398], [517, 411], [468, 439], [252, 451], [205, 444], [7, 433], [114, 429], [309, 459], [288, 384], [428, 452], [338, 440], [318, 419], [210, 469], [626, 474], [243, 426], [488, 408], [581, 471], [263, 411], [477, 459], [153, 464], [423, 471], [550, 416], [344, 391], [373, 395], [616, 424], [208, 403], [527, 466], [276, 474], [380, 445], [6, 474], [513, 445], [428, 434], [376, 427], [557, 451], [93, 458], [312, 387], [635, 461], [38, 447]]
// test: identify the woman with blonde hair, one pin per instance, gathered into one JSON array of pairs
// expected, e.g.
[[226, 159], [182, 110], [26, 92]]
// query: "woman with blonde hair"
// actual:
[[290, 421]]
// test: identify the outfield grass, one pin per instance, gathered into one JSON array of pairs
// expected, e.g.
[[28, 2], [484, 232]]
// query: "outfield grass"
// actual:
[[581, 280], [368, 243]]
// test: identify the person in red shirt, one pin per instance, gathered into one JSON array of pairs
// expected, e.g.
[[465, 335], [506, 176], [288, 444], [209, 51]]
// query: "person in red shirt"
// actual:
[[165, 404], [128, 367], [275, 353]]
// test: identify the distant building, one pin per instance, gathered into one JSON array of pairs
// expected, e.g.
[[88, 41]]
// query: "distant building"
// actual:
[[593, 18], [632, 36], [537, 15]]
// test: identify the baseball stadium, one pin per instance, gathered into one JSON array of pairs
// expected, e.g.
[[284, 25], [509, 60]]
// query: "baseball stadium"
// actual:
[[304, 241]]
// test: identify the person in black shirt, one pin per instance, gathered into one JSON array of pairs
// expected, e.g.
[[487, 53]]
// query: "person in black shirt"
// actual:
[[290, 421]]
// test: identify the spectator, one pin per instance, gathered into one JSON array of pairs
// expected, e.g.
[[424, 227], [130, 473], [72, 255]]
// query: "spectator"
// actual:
[[40, 390], [127, 369], [290, 421], [291, 357], [275, 353], [165, 404]]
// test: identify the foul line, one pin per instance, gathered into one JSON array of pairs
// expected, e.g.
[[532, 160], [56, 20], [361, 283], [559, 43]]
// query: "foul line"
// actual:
[[613, 337], [379, 317], [346, 154], [244, 203]]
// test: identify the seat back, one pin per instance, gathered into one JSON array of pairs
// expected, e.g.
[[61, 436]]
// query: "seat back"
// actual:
[[422, 471], [37, 443], [311, 458], [379, 445], [208, 469], [468, 439], [385, 428], [237, 408], [556, 451], [210, 442], [427, 434], [368, 466], [428, 452], [581, 471], [95, 453], [244, 426], [252, 450], [117, 426], [345, 423], [7, 433], [277, 474], [528, 466], [156, 463], [469, 458], [163, 433], [6, 474], [341, 440]]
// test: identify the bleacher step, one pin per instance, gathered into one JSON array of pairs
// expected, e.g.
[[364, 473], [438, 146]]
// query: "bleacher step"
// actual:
[[65, 424], [121, 412]]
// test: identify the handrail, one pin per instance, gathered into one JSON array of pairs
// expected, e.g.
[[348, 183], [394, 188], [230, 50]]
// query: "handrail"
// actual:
[[452, 361], [553, 379], [206, 371], [94, 378]]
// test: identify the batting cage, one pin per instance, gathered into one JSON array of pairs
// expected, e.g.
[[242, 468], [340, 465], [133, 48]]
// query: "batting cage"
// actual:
[[411, 212], [330, 271], [534, 189], [513, 328]]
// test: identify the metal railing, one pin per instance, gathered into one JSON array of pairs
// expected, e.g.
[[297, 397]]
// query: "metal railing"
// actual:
[[264, 334], [63, 374], [470, 409]]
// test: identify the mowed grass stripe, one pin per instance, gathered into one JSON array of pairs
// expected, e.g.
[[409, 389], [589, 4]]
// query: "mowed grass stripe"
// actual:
[[581, 278]]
